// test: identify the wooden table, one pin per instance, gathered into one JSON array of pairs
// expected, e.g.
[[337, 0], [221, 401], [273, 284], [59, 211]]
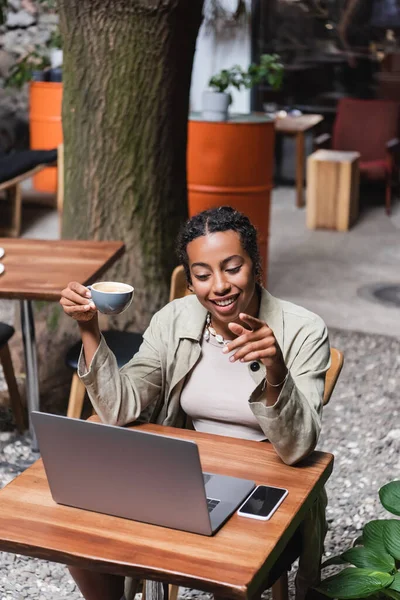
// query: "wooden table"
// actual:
[[297, 126], [232, 564], [39, 270]]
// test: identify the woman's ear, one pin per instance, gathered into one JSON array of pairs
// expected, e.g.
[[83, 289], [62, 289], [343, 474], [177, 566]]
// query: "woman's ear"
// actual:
[[190, 288]]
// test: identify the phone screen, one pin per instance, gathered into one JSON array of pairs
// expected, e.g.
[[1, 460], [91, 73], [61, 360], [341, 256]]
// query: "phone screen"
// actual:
[[263, 500]]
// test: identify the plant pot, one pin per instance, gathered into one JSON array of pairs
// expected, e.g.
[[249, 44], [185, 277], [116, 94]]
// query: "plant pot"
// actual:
[[56, 58], [215, 106], [45, 127]]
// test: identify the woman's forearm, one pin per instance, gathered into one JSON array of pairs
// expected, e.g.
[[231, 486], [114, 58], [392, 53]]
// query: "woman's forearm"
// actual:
[[90, 334]]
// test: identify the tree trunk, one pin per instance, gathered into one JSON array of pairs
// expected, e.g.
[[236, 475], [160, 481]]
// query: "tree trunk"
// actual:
[[127, 66], [127, 70]]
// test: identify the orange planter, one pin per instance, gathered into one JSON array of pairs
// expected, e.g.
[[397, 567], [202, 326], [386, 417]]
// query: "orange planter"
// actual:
[[231, 163], [45, 127]]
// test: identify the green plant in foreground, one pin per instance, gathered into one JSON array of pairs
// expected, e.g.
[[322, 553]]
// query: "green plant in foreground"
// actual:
[[270, 70], [376, 557]]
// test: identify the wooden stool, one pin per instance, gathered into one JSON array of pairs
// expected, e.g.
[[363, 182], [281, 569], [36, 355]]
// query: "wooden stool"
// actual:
[[332, 189]]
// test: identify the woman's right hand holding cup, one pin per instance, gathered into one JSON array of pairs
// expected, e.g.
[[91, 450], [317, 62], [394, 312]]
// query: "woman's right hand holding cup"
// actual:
[[77, 303]]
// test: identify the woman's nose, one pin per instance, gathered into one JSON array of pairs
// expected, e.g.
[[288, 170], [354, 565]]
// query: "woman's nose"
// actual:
[[221, 286]]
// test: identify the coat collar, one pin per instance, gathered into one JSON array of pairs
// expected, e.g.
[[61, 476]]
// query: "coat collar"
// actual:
[[193, 318]]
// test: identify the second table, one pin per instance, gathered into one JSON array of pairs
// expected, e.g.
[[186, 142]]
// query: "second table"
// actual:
[[40, 270]]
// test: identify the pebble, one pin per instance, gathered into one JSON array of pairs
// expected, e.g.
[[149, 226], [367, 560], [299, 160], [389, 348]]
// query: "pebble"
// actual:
[[356, 429]]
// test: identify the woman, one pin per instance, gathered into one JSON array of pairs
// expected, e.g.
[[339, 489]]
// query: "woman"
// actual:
[[229, 359]]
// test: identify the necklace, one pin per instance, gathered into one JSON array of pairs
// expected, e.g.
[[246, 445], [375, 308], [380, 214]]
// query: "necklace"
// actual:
[[211, 331]]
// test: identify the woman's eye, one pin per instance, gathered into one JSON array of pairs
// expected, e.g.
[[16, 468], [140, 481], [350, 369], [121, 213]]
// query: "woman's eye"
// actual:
[[201, 277], [234, 270]]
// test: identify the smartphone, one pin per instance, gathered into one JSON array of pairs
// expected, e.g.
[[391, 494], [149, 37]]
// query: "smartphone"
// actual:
[[262, 502]]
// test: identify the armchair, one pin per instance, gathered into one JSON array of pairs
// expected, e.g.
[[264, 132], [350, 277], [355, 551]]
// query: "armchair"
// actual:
[[370, 127]]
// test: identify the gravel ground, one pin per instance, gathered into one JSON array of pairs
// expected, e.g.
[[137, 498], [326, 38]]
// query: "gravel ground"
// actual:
[[361, 428]]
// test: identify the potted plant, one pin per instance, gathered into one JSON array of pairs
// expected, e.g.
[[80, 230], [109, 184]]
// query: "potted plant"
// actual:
[[43, 63], [216, 101], [42, 69], [375, 557]]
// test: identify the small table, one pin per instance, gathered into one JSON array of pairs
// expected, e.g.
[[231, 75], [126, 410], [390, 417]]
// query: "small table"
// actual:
[[234, 563], [297, 126], [40, 270], [333, 182]]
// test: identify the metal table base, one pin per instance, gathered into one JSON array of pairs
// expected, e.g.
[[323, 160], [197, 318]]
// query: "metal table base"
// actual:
[[32, 378]]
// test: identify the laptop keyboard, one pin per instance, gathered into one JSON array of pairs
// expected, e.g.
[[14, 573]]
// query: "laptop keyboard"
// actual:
[[212, 503]]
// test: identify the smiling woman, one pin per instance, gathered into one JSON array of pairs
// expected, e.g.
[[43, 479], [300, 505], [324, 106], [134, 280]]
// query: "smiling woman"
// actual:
[[229, 359]]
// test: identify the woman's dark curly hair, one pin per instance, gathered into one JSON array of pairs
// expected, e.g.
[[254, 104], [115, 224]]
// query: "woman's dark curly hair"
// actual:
[[224, 218]]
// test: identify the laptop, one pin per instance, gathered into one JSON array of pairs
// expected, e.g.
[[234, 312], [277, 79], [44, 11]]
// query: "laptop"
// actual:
[[134, 474]]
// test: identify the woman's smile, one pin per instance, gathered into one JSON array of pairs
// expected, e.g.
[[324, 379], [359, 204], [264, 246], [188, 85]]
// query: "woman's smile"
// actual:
[[227, 304]]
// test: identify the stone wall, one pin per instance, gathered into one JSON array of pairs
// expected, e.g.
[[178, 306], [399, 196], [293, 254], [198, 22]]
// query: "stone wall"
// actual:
[[27, 25]]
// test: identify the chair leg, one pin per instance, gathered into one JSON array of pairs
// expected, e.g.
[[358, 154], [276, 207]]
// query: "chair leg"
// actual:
[[14, 197], [173, 591], [280, 589], [76, 398], [15, 398], [388, 196]]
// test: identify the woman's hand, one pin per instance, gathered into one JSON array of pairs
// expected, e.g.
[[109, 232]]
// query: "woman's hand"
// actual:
[[257, 343], [76, 302]]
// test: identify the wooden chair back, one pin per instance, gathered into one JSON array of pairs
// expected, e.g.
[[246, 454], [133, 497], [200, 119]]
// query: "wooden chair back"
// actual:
[[60, 178], [333, 373], [178, 287], [60, 185]]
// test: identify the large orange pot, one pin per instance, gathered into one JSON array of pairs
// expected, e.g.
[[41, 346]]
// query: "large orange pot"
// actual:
[[45, 126], [231, 163]]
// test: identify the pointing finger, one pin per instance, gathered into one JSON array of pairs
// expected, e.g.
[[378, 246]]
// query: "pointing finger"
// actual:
[[251, 321]]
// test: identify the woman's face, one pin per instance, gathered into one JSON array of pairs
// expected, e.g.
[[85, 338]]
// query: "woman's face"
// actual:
[[223, 276]]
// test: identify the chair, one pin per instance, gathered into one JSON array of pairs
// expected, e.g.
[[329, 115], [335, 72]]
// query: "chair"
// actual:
[[6, 332], [124, 345], [371, 128], [179, 287], [14, 169]]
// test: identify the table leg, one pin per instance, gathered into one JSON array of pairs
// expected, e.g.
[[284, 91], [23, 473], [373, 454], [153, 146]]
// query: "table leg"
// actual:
[[32, 380], [300, 158], [278, 157], [154, 590]]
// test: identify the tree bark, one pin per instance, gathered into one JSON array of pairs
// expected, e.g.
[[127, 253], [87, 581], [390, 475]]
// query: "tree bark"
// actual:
[[127, 69], [127, 66]]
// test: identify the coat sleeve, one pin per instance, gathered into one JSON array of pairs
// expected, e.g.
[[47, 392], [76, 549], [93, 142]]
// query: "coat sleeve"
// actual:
[[293, 423], [120, 395]]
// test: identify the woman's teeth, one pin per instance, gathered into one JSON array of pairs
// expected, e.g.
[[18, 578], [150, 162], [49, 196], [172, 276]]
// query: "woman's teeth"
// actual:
[[225, 302]]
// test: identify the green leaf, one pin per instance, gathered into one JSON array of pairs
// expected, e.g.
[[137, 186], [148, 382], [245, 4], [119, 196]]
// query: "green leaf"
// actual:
[[335, 560], [391, 538], [373, 535], [358, 541], [354, 583], [366, 558], [395, 585], [389, 495], [391, 594]]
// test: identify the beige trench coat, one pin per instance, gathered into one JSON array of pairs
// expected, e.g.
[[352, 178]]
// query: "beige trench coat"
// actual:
[[151, 383]]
